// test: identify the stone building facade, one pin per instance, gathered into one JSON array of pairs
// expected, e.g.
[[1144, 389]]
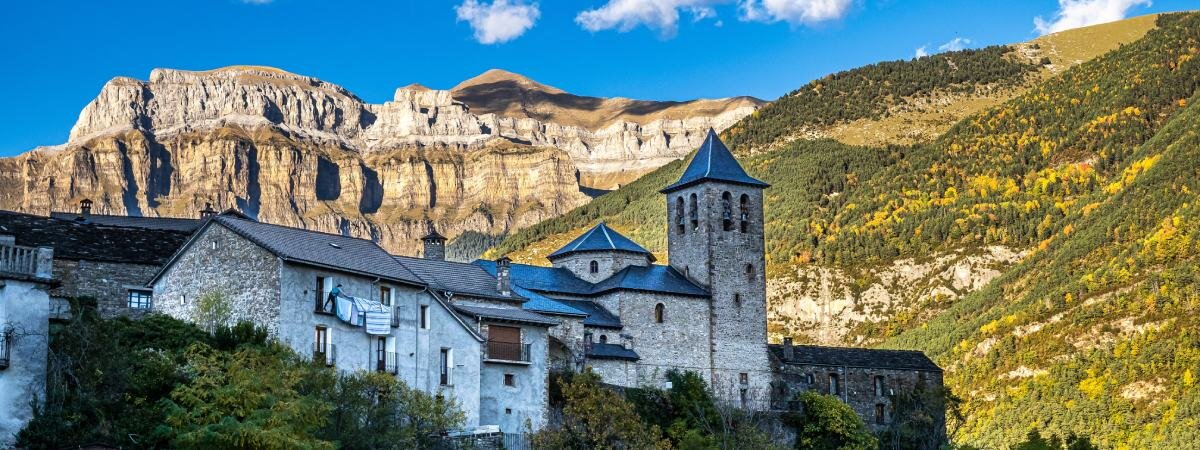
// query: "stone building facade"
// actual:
[[26, 275]]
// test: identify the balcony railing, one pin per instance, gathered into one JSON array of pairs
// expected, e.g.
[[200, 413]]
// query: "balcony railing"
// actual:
[[324, 353], [507, 351], [28, 261], [386, 362], [5, 348]]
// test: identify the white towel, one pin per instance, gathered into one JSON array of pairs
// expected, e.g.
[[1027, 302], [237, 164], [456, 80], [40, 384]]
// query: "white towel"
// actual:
[[344, 308], [379, 322]]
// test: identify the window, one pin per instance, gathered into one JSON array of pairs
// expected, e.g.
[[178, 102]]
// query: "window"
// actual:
[[447, 364], [321, 296], [834, 388], [878, 386], [658, 313], [750, 273], [809, 378], [879, 409], [737, 300], [744, 378], [510, 379], [381, 356], [139, 299], [604, 339], [385, 295], [694, 214], [679, 215], [727, 211], [322, 348], [504, 343], [424, 317], [744, 212], [594, 267], [213, 244]]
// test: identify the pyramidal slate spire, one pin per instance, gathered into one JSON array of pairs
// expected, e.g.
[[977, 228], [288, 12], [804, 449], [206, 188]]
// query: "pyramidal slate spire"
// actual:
[[600, 238], [713, 161]]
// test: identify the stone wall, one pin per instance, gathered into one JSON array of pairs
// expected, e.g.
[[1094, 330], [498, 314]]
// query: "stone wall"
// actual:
[[219, 261], [857, 387], [608, 263], [107, 282], [680, 342], [24, 310]]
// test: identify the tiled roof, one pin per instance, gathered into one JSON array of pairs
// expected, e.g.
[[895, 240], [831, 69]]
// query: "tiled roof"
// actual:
[[321, 249], [541, 279], [539, 303], [152, 223], [713, 161], [506, 314], [652, 278], [600, 238], [597, 315], [856, 357], [74, 240], [611, 351], [460, 278]]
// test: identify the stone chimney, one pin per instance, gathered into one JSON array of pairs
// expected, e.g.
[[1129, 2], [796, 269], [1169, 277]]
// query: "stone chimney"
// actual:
[[789, 352], [435, 245], [208, 211], [502, 283], [85, 208]]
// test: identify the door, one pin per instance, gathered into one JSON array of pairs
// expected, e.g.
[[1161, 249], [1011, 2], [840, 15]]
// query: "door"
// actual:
[[504, 343]]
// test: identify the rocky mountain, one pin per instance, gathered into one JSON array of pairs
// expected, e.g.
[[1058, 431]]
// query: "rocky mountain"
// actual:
[[1043, 249], [299, 151]]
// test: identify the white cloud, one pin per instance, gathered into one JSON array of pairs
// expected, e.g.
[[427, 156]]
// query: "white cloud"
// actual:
[[922, 51], [499, 22], [1081, 13], [795, 12], [662, 15], [954, 45]]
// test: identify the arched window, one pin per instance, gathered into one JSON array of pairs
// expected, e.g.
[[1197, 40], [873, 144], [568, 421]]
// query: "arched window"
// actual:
[[727, 211], [694, 214], [744, 212], [594, 267], [878, 386], [679, 227], [604, 339], [658, 313], [750, 272]]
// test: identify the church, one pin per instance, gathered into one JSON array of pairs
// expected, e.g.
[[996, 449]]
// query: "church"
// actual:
[[631, 319]]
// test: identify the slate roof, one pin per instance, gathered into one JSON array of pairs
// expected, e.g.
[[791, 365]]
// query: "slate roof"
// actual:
[[597, 315], [611, 351], [652, 278], [321, 249], [856, 357], [74, 240], [506, 314], [152, 223], [713, 161], [600, 238], [460, 278], [541, 279], [539, 303]]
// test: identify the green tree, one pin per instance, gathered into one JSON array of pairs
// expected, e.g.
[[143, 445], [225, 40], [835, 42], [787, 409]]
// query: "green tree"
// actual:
[[245, 400], [376, 411], [594, 417], [825, 423], [213, 311]]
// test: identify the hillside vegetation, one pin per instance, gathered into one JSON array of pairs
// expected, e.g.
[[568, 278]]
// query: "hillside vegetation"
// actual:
[[1094, 171]]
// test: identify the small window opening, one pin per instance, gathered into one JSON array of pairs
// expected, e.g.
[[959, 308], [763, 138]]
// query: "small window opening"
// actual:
[[510, 379], [727, 211], [594, 267], [744, 213], [834, 388], [658, 313]]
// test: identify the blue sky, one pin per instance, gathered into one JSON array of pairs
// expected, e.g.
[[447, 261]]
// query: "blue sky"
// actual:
[[56, 55]]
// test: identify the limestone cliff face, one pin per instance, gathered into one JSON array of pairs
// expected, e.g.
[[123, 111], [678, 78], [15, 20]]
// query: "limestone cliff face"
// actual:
[[298, 151]]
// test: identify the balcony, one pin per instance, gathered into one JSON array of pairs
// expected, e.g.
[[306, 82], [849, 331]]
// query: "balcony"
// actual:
[[325, 354], [386, 362], [5, 348], [25, 261], [507, 352]]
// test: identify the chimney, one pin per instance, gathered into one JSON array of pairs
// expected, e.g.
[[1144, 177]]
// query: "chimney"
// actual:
[[208, 211], [789, 352], [85, 209], [435, 244], [502, 284]]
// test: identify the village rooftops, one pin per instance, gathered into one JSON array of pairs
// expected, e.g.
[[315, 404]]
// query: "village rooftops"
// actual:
[[713, 161], [652, 278], [89, 241], [600, 238], [180, 224], [601, 350], [457, 278], [813, 355]]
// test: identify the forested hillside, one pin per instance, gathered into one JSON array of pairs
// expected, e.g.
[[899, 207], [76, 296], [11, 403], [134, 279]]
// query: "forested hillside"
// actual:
[[1092, 172]]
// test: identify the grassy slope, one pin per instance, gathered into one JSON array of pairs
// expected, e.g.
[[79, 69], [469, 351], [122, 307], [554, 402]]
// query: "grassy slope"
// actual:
[[1089, 168]]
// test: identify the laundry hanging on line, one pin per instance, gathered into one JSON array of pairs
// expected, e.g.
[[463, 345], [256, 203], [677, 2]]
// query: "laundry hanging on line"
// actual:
[[361, 312]]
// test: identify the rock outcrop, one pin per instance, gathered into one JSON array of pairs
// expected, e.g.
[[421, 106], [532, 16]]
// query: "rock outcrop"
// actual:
[[299, 151]]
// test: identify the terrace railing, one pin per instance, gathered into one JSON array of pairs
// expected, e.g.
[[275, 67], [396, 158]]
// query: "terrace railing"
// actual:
[[507, 351]]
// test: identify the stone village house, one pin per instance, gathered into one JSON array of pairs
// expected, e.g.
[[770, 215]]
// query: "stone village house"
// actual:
[[488, 333]]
